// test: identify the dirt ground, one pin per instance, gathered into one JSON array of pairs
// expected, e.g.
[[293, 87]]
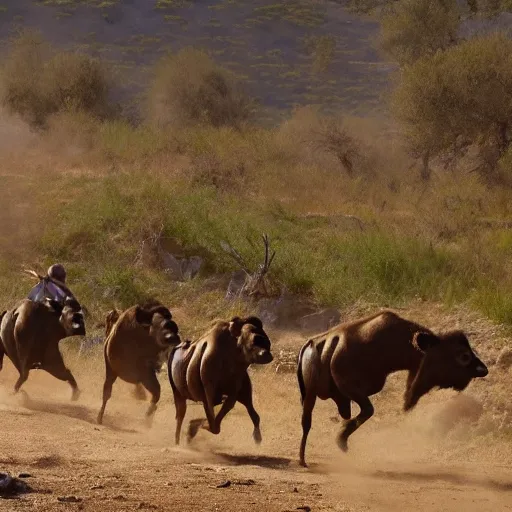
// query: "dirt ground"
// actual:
[[395, 462]]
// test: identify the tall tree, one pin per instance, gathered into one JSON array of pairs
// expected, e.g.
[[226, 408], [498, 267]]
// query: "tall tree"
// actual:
[[460, 98]]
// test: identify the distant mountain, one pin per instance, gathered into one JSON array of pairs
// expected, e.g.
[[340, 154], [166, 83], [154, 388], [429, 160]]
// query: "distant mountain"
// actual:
[[263, 41]]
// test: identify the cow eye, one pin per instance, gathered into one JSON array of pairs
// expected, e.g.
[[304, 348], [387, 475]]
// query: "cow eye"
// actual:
[[464, 359]]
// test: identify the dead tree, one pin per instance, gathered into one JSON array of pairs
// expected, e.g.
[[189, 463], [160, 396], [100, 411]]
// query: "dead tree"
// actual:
[[255, 283]]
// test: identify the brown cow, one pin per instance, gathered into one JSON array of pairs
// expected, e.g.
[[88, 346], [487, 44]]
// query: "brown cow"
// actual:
[[30, 335], [132, 350], [215, 367], [351, 362], [138, 392]]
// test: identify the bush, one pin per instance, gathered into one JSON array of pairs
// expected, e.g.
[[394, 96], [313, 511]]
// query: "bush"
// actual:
[[38, 82], [460, 98], [415, 28], [189, 88], [335, 142]]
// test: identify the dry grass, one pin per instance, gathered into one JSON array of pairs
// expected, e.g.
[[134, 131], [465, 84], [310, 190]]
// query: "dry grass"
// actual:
[[349, 216]]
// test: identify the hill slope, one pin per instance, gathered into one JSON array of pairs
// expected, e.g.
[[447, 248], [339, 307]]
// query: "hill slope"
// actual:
[[265, 42]]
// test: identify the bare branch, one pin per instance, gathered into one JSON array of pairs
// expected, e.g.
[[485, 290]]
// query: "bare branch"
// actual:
[[235, 255], [255, 282]]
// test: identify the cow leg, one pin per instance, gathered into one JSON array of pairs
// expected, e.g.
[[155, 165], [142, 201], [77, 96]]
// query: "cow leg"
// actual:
[[110, 378], [208, 423], [227, 405], [245, 398], [410, 379], [352, 425], [307, 414], [343, 404], [22, 378], [138, 392], [2, 353], [58, 369], [150, 382], [181, 408]]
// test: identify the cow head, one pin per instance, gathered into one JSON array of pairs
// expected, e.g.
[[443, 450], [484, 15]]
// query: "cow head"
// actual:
[[252, 339], [70, 314], [448, 362], [161, 326]]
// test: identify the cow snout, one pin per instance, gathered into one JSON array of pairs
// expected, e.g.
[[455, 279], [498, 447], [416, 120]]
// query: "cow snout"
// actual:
[[78, 329], [481, 370], [264, 357], [172, 338]]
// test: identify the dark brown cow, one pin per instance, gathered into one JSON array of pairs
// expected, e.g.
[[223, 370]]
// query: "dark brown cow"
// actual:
[[214, 368], [132, 350], [351, 362], [30, 335]]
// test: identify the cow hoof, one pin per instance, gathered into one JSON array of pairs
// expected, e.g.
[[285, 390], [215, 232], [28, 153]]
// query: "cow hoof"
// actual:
[[342, 443], [257, 436], [76, 395], [193, 429], [303, 463]]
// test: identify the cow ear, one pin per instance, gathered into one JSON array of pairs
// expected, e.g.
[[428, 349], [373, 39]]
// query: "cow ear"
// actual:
[[111, 319], [162, 310], [112, 316], [424, 340], [53, 305], [143, 316], [235, 326], [254, 320]]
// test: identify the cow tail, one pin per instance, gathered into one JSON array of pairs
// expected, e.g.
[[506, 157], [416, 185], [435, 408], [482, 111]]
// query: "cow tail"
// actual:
[[300, 377], [1, 318]]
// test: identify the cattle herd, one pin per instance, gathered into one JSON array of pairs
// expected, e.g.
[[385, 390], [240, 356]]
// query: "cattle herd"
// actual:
[[348, 363]]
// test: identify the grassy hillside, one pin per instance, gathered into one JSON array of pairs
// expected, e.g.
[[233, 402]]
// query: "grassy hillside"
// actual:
[[98, 211], [289, 53], [104, 196]]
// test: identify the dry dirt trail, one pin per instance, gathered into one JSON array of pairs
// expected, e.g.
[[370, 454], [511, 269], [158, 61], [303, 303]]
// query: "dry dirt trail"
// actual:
[[393, 462]]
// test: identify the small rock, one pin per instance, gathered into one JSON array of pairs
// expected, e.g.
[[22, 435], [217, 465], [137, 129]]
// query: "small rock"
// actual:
[[146, 506], [295, 489], [305, 508], [504, 360], [69, 499], [96, 487], [24, 475], [223, 485], [10, 486]]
